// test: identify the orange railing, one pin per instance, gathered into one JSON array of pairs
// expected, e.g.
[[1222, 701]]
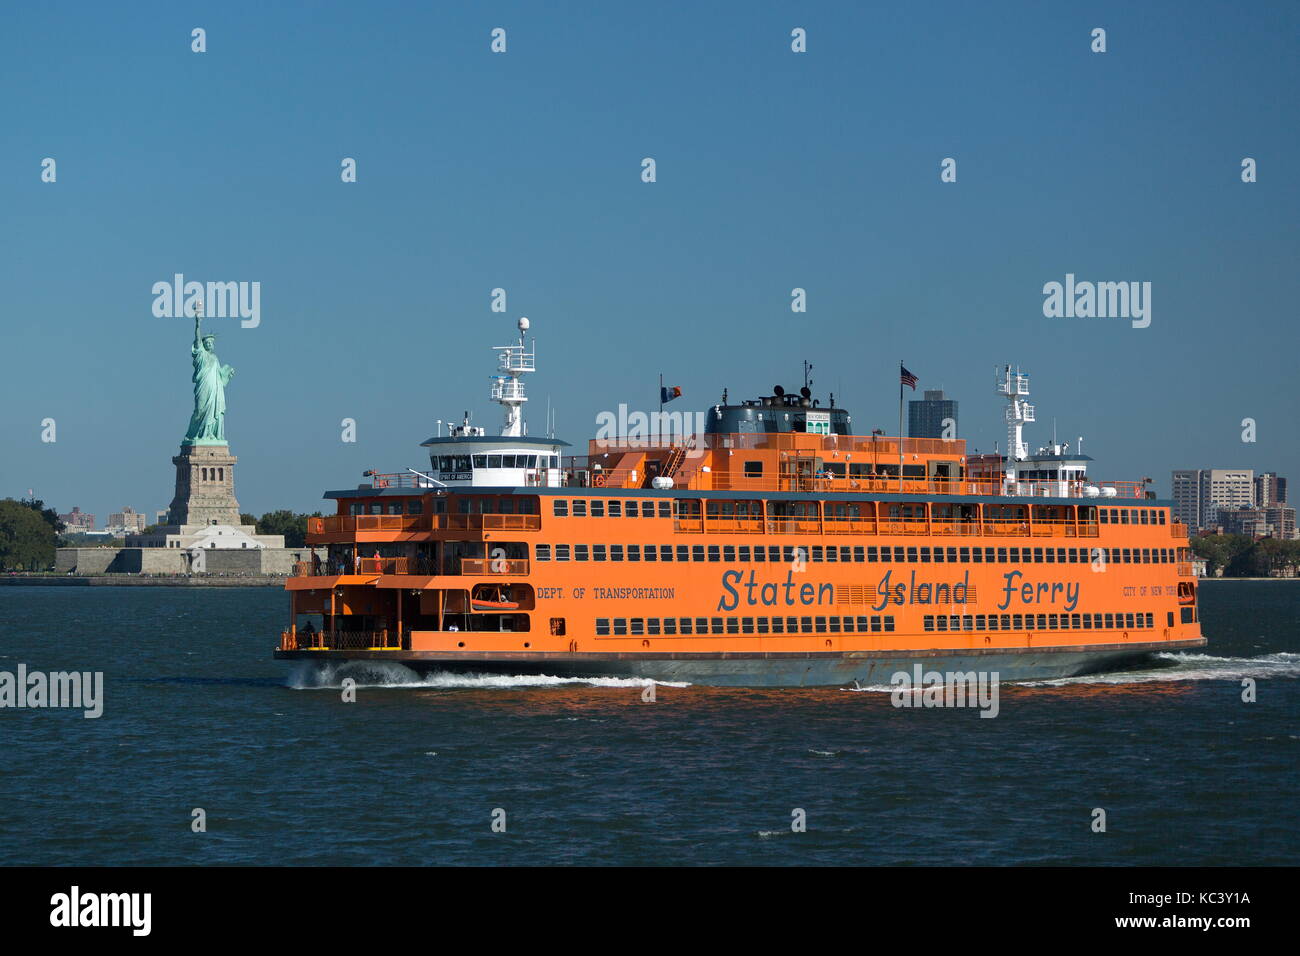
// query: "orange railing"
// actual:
[[1178, 529], [517, 566], [347, 524]]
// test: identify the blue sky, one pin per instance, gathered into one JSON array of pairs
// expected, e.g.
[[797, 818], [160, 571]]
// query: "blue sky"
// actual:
[[775, 170]]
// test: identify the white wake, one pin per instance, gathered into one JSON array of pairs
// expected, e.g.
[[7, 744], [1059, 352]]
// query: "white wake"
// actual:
[[390, 674]]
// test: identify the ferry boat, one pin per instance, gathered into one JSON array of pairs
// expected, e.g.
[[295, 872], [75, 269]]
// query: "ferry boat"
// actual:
[[775, 548]]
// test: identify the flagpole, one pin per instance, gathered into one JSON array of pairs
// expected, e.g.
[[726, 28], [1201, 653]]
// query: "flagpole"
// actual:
[[660, 419], [900, 426]]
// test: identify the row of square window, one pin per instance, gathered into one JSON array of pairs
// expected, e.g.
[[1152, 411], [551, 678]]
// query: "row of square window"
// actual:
[[850, 553], [638, 626], [614, 508], [1038, 622], [1132, 515]]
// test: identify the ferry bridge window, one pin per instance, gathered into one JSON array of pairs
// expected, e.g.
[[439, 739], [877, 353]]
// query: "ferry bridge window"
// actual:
[[414, 506], [560, 508], [376, 508], [616, 509], [480, 461]]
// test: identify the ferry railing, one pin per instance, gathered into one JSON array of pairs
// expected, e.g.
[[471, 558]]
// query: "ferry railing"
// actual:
[[516, 566], [734, 525], [382, 640], [793, 525], [955, 527], [394, 566], [491, 522], [1184, 570], [1178, 529], [688, 525], [833, 525], [349, 524]]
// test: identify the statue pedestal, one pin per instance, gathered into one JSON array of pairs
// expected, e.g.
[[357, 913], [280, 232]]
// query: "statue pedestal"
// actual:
[[205, 487]]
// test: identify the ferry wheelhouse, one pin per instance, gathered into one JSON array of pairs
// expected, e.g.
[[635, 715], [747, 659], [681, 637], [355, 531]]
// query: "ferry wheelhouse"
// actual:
[[777, 548]]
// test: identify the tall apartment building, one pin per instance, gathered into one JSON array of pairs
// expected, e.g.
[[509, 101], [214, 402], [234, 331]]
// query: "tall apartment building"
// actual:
[[926, 417], [1274, 521], [1199, 494], [77, 520], [1270, 490], [128, 519]]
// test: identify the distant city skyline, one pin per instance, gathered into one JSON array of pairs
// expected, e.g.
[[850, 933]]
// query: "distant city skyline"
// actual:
[[775, 172]]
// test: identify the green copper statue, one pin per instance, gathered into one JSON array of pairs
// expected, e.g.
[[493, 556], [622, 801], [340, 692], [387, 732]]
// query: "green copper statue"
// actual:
[[208, 423]]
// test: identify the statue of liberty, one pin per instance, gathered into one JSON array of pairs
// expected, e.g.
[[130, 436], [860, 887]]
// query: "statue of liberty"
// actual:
[[208, 423]]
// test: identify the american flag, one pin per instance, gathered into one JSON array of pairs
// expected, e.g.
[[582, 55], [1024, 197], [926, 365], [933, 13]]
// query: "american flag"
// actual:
[[907, 378]]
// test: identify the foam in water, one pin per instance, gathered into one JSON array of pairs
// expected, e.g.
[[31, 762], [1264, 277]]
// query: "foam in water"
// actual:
[[1184, 667], [1172, 667], [390, 674]]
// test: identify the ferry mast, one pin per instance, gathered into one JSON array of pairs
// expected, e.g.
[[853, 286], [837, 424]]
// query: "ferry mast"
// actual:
[[1014, 386], [508, 389]]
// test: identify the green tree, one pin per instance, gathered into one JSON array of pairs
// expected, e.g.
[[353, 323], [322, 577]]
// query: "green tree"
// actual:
[[27, 538], [1221, 551], [285, 522], [49, 515]]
